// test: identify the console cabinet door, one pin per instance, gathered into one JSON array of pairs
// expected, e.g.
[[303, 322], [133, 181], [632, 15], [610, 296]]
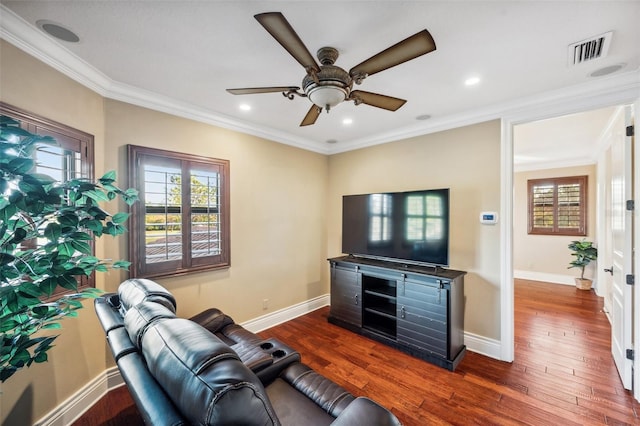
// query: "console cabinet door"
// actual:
[[346, 294], [422, 316]]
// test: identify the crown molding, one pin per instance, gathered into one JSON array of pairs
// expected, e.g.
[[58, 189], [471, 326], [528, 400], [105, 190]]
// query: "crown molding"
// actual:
[[614, 90], [604, 91], [559, 164], [151, 100], [26, 37]]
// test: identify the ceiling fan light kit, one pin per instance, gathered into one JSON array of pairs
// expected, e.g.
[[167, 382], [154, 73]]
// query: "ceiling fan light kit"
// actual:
[[328, 85]]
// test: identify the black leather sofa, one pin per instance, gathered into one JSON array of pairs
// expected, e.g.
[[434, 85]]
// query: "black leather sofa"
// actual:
[[208, 370]]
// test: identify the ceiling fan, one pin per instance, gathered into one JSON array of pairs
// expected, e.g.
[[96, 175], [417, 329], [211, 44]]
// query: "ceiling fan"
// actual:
[[326, 85]]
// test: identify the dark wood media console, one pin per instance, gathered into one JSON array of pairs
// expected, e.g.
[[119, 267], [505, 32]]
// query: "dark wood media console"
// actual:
[[416, 309]]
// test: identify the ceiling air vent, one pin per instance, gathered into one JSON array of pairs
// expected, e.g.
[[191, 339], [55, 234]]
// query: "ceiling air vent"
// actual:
[[589, 49]]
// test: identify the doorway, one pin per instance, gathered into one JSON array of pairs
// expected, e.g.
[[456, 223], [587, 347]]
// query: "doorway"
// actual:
[[527, 266]]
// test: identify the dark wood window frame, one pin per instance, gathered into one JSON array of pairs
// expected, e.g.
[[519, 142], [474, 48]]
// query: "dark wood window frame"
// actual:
[[138, 158], [549, 210], [69, 139]]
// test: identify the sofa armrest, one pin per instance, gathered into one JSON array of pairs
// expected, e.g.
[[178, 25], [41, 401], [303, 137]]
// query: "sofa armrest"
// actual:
[[331, 397], [120, 343], [213, 319], [365, 412], [152, 402], [108, 313]]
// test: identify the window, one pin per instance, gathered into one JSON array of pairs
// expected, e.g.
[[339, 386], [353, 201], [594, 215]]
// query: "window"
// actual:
[[558, 206], [181, 223], [71, 159]]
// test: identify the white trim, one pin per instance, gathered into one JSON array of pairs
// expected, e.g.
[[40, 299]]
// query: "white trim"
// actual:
[[483, 345], [554, 164], [78, 403], [26, 37], [636, 246], [544, 277], [507, 337], [546, 108], [283, 315], [603, 91]]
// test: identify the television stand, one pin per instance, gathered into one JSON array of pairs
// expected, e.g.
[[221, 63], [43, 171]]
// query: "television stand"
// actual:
[[416, 309]]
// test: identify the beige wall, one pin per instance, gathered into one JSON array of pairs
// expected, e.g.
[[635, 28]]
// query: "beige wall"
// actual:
[[466, 160], [277, 224], [277, 212], [285, 217], [80, 353], [543, 255]]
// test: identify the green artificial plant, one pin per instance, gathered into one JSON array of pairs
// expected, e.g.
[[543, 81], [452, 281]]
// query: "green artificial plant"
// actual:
[[46, 229], [584, 253]]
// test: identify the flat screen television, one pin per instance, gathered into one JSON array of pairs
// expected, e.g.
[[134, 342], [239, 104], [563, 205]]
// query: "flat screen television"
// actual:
[[409, 227]]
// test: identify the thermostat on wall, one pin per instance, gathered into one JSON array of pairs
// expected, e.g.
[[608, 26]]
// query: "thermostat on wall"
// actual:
[[488, 218]]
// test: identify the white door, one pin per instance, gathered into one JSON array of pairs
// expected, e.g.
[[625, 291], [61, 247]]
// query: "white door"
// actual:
[[621, 219]]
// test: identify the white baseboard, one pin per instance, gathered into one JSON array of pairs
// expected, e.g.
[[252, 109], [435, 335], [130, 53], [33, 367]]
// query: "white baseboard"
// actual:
[[482, 345], [541, 276], [78, 403], [283, 315]]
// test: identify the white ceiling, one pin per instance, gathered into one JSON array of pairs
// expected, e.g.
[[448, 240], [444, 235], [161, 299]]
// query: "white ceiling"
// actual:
[[180, 56], [569, 140]]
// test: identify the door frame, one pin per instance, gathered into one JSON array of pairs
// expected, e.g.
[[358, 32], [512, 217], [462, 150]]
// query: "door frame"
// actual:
[[636, 245], [544, 109]]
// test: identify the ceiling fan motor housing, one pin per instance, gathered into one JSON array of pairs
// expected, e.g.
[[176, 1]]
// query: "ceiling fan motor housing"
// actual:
[[329, 87]]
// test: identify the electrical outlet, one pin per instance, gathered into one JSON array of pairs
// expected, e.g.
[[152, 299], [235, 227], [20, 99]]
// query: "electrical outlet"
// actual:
[[265, 304]]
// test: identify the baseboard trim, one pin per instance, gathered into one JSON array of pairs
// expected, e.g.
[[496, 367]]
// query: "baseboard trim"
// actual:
[[77, 404], [483, 345], [283, 315], [541, 276]]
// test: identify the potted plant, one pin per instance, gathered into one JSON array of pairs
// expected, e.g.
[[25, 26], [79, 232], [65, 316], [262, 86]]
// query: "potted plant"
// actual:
[[584, 253], [45, 232]]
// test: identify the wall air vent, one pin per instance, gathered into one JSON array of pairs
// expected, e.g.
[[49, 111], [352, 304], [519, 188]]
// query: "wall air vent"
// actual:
[[589, 49]]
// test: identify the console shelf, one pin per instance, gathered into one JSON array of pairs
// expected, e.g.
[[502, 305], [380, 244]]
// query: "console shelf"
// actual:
[[416, 309]]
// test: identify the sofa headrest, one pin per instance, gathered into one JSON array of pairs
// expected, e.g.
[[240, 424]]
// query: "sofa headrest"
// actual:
[[137, 290], [139, 317], [204, 378]]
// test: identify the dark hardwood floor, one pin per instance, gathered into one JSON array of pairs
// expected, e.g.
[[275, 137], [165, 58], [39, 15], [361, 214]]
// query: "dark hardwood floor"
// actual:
[[563, 373]]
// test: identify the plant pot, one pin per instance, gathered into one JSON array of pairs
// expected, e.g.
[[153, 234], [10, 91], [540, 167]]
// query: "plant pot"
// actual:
[[583, 283]]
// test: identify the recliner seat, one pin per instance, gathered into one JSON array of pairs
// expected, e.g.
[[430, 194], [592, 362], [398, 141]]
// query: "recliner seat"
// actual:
[[189, 371]]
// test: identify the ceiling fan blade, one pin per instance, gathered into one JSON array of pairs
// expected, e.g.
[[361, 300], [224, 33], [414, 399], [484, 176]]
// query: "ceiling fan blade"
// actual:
[[278, 26], [408, 49], [377, 100], [312, 116], [253, 90]]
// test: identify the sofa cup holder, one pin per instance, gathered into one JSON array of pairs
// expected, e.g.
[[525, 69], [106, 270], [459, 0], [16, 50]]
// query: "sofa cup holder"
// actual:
[[279, 353], [276, 349]]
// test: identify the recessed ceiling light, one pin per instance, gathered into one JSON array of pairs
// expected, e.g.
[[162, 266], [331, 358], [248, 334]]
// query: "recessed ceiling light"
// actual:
[[332, 141], [607, 70], [245, 107], [472, 81], [347, 121], [423, 117], [58, 31]]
